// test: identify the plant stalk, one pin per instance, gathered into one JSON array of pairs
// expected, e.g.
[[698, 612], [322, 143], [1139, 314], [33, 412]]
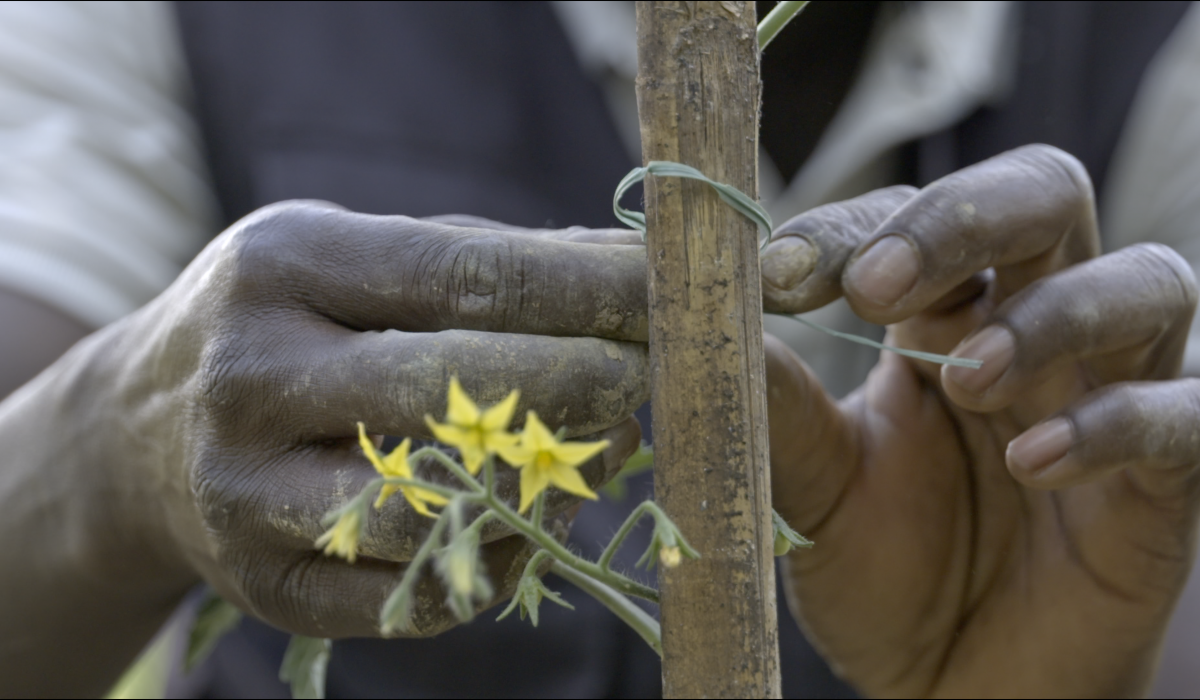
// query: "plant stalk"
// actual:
[[776, 20]]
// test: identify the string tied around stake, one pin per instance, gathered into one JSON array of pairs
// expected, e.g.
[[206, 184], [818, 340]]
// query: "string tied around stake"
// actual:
[[747, 207]]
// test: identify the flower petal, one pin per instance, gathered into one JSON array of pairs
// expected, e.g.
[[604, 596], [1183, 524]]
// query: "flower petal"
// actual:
[[576, 453], [499, 416], [415, 501], [342, 539], [533, 482], [516, 454], [368, 448], [472, 458], [460, 409], [496, 441], [536, 435], [451, 435], [385, 493], [396, 464], [430, 497], [568, 479]]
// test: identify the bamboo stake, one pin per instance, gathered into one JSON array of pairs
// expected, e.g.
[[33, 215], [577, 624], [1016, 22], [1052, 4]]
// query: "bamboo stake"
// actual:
[[698, 98]]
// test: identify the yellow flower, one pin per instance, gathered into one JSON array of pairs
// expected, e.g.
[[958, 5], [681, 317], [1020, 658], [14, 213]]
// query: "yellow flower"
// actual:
[[342, 538], [543, 461], [396, 466], [475, 433], [670, 557]]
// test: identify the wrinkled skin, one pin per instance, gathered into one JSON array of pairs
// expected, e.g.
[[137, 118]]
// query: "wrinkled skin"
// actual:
[[1021, 529], [960, 549], [206, 436]]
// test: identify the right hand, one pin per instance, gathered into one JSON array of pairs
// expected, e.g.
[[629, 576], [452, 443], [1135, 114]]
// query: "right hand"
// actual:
[[1023, 529], [226, 409]]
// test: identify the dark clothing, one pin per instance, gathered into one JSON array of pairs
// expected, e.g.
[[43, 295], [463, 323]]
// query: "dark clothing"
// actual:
[[481, 108], [1080, 64]]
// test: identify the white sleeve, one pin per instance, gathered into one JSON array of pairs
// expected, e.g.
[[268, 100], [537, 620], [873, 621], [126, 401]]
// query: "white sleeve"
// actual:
[[103, 192], [1154, 182]]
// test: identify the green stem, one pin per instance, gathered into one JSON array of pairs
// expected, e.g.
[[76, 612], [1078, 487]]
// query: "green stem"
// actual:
[[539, 509], [621, 606], [411, 573], [776, 20], [454, 467], [534, 562], [489, 474], [626, 527], [455, 509], [562, 554], [484, 519]]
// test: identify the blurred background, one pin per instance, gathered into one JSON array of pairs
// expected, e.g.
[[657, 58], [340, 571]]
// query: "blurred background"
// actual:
[[132, 133]]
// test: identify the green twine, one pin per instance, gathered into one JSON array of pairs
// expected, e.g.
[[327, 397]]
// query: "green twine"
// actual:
[[732, 196], [752, 210], [916, 354]]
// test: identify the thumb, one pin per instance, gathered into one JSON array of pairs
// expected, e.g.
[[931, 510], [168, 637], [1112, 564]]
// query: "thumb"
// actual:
[[813, 447]]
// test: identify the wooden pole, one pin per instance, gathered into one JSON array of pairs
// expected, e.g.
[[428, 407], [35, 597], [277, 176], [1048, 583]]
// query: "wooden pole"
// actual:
[[698, 99]]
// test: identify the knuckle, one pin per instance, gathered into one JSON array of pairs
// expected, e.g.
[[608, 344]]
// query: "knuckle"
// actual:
[[1172, 273], [265, 250], [473, 277], [1139, 421], [245, 375], [228, 380], [1057, 160], [234, 495]]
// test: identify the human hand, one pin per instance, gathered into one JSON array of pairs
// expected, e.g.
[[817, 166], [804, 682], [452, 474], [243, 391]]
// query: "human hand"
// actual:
[[247, 378], [1020, 529]]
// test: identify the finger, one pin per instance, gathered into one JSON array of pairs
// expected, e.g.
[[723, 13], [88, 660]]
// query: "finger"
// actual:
[[1129, 312], [1027, 213], [321, 596], [802, 267], [470, 221], [574, 234], [1152, 428], [281, 504], [391, 380], [284, 508], [379, 272], [601, 236], [813, 448]]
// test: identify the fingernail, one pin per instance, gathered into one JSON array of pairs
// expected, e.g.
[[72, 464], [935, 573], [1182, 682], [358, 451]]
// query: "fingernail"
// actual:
[[788, 261], [885, 273], [1041, 445], [995, 347]]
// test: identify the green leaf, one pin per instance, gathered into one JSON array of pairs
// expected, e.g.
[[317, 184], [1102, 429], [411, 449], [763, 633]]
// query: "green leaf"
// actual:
[[640, 461], [304, 666], [147, 677], [786, 539], [214, 618]]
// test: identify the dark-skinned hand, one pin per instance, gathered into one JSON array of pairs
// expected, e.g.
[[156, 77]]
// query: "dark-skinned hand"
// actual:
[[1023, 529], [204, 437]]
